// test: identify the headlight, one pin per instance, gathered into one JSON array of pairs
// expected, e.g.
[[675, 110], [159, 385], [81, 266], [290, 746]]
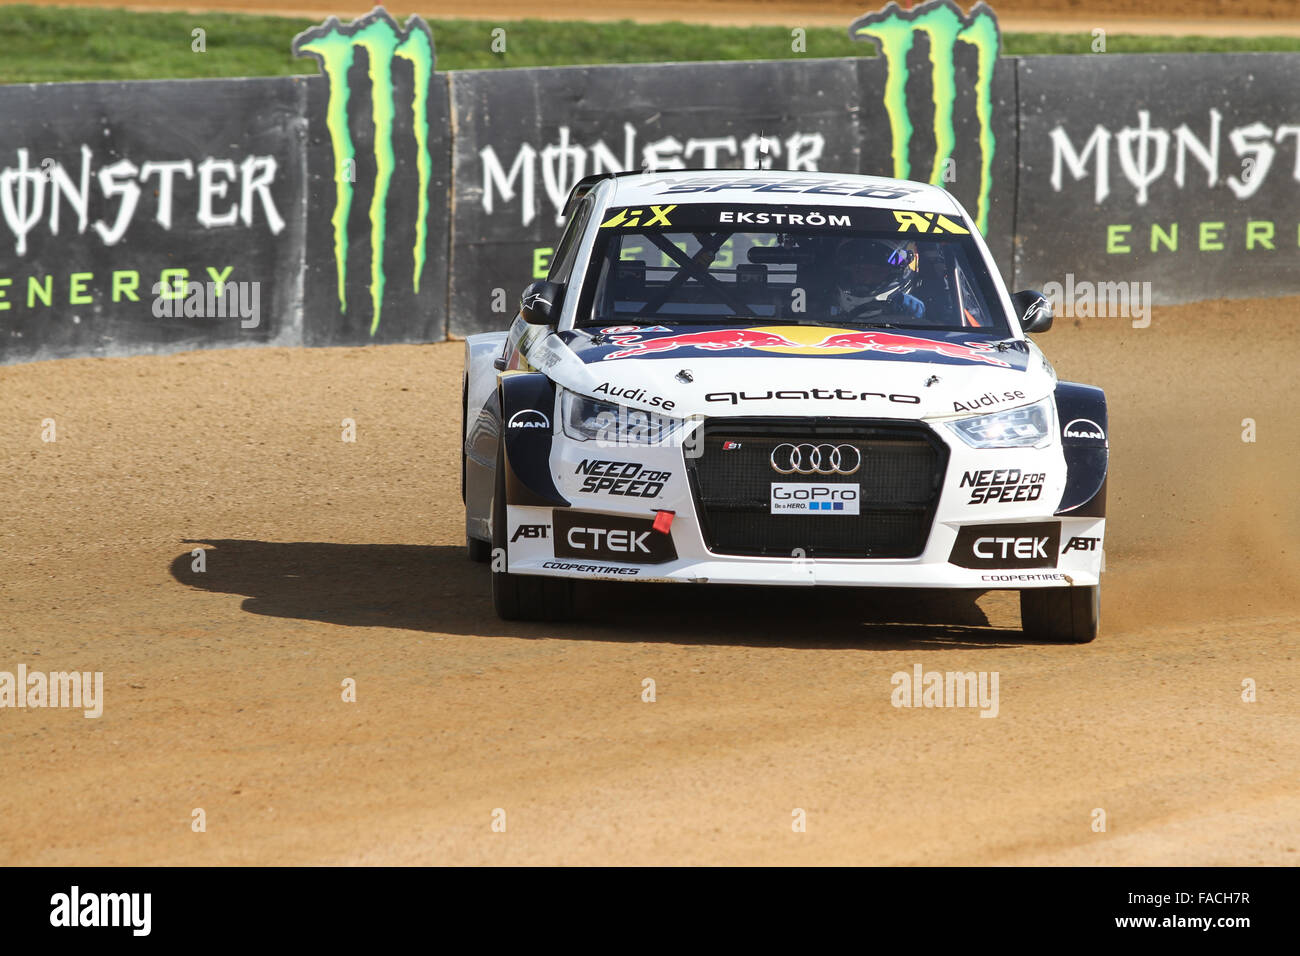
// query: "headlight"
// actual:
[[1024, 427], [589, 419]]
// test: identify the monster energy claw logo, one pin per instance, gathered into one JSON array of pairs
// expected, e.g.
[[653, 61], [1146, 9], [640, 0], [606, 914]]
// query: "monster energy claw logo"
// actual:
[[893, 31], [334, 47]]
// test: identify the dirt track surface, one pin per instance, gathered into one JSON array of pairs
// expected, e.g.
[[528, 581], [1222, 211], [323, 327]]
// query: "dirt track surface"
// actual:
[[1163, 17], [328, 560]]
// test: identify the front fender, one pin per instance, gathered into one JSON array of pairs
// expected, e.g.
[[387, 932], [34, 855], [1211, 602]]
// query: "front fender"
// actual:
[[1085, 440], [527, 428]]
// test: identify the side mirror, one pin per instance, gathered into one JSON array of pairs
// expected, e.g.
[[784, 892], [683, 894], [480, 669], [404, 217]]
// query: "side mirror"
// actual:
[[540, 303], [1034, 310]]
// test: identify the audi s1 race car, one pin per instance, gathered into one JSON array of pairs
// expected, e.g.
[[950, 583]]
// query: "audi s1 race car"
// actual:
[[735, 377]]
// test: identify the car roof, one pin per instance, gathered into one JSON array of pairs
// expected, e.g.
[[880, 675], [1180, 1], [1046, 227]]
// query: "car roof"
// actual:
[[773, 187]]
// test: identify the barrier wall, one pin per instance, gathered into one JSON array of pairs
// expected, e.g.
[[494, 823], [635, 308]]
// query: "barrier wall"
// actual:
[[384, 202], [1180, 170], [108, 190]]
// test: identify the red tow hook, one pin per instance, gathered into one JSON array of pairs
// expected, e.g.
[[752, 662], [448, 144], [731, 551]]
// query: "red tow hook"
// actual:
[[664, 521]]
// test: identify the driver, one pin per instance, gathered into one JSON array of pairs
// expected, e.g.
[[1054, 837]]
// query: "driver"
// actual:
[[875, 276]]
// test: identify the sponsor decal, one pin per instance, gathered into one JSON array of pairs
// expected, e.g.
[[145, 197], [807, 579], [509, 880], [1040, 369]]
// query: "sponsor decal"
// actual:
[[987, 400], [580, 534], [61, 202], [822, 394], [631, 218], [804, 340], [628, 394], [533, 300], [589, 568], [931, 222], [229, 192], [814, 218], [1081, 544], [810, 459], [628, 478], [1021, 578], [1002, 485], [334, 47], [1037, 306], [814, 498], [1144, 146], [757, 215], [1007, 546], [757, 184], [529, 418], [894, 31], [1084, 429], [624, 329], [531, 531], [543, 358]]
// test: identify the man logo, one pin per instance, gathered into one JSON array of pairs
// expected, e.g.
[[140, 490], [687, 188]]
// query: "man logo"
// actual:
[[334, 47], [1084, 429], [893, 31], [528, 418]]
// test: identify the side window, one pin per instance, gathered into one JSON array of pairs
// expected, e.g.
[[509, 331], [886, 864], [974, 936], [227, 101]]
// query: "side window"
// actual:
[[972, 310], [562, 261]]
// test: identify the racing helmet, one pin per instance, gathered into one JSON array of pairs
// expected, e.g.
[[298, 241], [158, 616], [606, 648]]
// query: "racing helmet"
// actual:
[[868, 270]]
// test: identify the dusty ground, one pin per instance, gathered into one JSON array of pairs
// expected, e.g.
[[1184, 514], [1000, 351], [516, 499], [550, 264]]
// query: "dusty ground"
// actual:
[[1166, 17], [328, 560]]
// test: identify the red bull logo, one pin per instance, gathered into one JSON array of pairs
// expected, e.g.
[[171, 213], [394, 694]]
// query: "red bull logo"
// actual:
[[803, 340]]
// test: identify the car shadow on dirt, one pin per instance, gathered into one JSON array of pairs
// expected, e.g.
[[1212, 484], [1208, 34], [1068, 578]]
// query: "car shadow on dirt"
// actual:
[[438, 589]]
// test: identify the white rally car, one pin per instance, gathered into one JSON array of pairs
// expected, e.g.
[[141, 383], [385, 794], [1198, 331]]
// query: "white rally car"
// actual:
[[780, 379]]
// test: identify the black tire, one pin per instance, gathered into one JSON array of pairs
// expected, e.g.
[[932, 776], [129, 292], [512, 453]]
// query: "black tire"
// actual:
[[522, 597], [1068, 615], [479, 551]]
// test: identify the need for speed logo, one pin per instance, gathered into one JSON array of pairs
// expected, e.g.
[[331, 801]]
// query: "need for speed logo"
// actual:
[[627, 478], [1003, 485]]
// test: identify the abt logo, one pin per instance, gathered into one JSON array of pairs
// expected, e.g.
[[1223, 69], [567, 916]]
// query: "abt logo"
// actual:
[[1081, 544], [533, 531], [1007, 545], [581, 534]]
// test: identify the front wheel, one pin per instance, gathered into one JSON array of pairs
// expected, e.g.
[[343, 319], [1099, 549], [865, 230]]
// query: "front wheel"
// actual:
[[479, 551], [1066, 615], [522, 597]]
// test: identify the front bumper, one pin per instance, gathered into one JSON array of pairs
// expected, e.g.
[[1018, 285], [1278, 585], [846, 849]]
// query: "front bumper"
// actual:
[[990, 522]]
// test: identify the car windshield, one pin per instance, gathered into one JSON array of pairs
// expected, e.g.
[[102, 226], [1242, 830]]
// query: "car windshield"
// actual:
[[719, 264]]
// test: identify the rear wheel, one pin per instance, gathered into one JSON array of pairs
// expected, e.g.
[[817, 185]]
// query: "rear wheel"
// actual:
[[522, 597], [1064, 615]]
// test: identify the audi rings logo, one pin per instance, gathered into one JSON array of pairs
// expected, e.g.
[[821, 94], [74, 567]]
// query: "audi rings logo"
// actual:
[[810, 459]]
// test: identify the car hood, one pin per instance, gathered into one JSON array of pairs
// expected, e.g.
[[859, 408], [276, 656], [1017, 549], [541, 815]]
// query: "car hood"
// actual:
[[823, 370]]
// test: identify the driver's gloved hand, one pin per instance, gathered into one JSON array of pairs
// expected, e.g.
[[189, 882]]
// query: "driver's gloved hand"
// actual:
[[907, 304]]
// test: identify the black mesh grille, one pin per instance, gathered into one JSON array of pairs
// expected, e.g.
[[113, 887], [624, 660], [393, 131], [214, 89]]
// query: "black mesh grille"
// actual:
[[899, 480]]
